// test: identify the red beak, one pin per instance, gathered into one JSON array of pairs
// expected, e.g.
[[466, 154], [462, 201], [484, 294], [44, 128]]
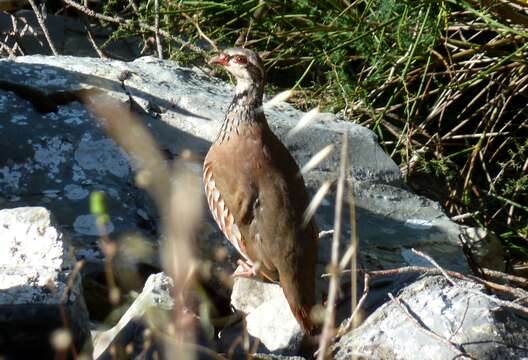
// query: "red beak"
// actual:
[[221, 60]]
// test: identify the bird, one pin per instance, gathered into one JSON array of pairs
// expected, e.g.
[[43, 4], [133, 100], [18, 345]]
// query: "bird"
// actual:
[[256, 193]]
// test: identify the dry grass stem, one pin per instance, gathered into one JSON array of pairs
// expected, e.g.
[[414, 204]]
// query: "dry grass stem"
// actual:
[[353, 250], [178, 200], [317, 158], [316, 201], [278, 98], [11, 53], [329, 319], [351, 323], [306, 120]]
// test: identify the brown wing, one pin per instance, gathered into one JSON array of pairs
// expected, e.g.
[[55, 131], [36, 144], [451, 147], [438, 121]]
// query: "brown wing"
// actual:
[[221, 213], [232, 194]]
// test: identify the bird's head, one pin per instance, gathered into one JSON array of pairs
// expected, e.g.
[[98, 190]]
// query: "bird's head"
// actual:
[[244, 64]]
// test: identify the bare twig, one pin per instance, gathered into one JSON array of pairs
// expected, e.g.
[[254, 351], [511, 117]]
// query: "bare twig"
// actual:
[[200, 32], [142, 25], [43, 27], [350, 324], [329, 322], [94, 44], [157, 29], [461, 323], [516, 292], [177, 197], [64, 299], [432, 261], [7, 49], [504, 303], [507, 277]]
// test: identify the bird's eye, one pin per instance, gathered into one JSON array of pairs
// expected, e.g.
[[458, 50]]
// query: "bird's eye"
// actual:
[[239, 59]]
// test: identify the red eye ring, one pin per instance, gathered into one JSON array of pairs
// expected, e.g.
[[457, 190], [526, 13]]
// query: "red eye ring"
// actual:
[[239, 59]]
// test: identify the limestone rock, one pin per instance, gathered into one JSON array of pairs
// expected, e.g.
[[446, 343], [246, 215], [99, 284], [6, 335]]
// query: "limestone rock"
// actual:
[[35, 267], [58, 159], [183, 108], [474, 323], [53, 152], [269, 317]]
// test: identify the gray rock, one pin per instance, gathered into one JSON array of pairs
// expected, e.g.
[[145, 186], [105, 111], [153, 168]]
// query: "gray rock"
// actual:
[[47, 156], [474, 323], [57, 159], [188, 108], [269, 316], [154, 298], [259, 356], [485, 248], [36, 264]]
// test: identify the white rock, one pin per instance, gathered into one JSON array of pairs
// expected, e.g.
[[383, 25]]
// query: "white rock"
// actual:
[[31, 251], [35, 268], [269, 317], [469, 321]]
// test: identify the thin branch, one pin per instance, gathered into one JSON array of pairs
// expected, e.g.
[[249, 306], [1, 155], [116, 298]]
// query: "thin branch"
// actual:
[[432, 261], [43, 27], [516, 292], [461, 323], [94, 44], [504, 303], [200, 32], [7, 49], [349, 325], [507, 277], [142, 25], [157, 29]]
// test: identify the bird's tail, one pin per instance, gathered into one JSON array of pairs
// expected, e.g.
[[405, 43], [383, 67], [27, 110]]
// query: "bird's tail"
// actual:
[[301, 298]]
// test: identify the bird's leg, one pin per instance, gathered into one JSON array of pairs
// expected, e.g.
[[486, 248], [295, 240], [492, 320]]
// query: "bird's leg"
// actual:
[[244, 269]]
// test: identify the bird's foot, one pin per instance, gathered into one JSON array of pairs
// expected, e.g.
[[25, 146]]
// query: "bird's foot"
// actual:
[[244, 269]]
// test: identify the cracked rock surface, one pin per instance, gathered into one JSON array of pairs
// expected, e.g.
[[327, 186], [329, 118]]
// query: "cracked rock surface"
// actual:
[[53, 153], [35, 268], [473, 323]]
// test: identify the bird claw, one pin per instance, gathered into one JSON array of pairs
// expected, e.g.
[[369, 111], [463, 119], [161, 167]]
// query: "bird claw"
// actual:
[[244, 269]]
